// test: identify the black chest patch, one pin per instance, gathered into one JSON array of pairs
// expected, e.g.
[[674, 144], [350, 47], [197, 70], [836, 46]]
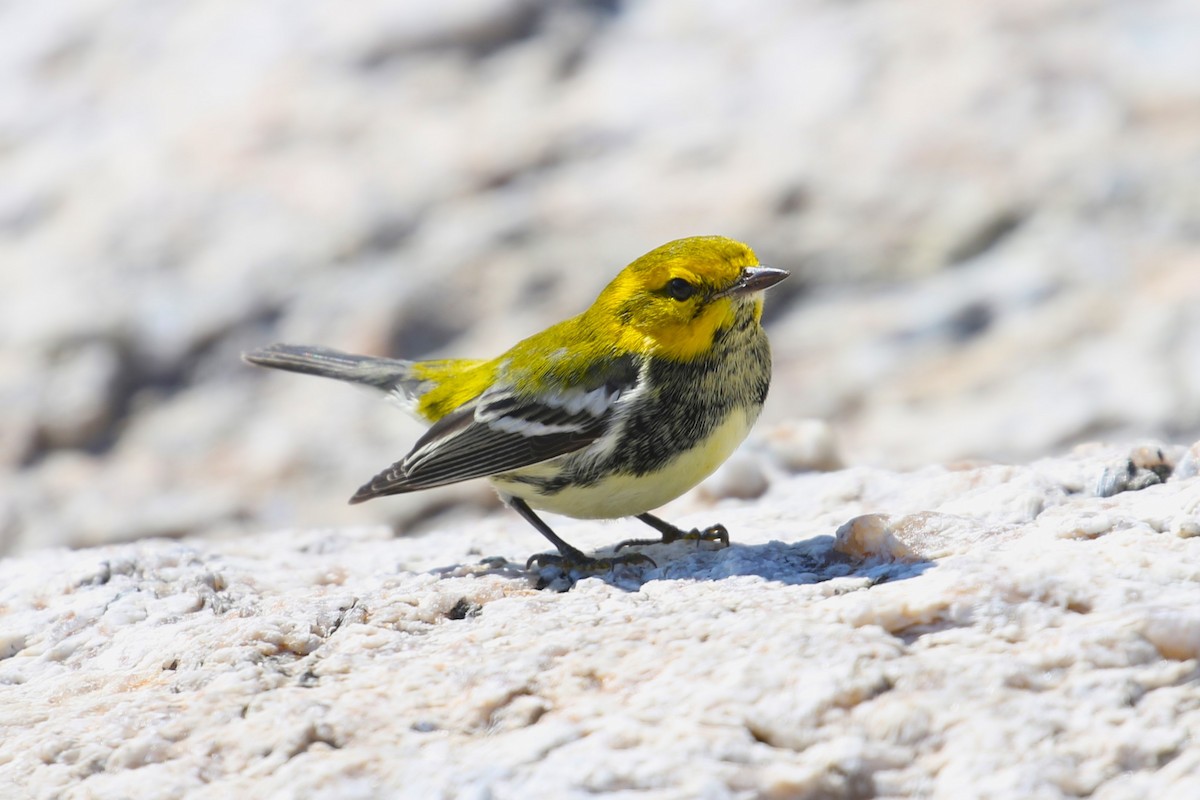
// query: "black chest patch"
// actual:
[[678, 405]]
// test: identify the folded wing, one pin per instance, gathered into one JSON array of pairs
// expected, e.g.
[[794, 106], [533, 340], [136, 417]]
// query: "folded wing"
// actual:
[[504, 431]]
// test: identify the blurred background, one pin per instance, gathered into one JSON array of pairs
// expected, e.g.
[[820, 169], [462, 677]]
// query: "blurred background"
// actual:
[[991, 209]]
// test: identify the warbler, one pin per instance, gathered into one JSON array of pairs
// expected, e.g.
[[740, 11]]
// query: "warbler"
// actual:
[[609, 414]]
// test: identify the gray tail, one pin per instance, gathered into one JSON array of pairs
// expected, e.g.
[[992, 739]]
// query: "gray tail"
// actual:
[[385, 374]]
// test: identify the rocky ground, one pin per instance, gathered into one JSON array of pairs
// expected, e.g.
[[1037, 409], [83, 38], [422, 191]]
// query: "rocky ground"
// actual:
[[990, 211], [988, 631]]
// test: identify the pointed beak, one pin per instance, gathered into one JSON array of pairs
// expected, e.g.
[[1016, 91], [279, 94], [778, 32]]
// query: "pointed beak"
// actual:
[[754, 279]]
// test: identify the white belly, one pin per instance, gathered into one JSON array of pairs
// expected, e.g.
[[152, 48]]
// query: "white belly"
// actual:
[[629, 495]]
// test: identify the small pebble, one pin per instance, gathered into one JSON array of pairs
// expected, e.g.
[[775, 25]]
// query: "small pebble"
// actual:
[[1186, 528], [1146, 465], [871, 536], [1189, 464]]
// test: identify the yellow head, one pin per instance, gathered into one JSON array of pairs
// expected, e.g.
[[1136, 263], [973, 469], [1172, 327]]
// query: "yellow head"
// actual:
[[676, 297]]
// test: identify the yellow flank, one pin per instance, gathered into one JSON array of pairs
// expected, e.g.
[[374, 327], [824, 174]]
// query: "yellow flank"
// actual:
[[453, 383]]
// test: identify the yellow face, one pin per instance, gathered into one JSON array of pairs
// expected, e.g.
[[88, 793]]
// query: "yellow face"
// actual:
[[675, 296]]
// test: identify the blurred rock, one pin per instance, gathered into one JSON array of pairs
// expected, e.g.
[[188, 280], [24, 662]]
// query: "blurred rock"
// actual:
[[741, 477], [989, 209], [78, 402], [802, 445]]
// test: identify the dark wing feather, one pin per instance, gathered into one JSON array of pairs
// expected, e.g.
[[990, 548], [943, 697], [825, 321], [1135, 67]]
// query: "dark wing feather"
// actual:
[[500, 433]]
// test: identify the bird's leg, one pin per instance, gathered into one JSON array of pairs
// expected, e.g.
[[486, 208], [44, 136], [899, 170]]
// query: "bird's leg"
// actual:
[[568, 558], [713, 533]]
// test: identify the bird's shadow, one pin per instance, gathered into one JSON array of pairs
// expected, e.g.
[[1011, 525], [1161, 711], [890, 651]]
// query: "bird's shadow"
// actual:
[[807, 561]]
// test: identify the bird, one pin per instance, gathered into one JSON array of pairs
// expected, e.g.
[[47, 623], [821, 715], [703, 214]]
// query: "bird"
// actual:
[[609, 414]]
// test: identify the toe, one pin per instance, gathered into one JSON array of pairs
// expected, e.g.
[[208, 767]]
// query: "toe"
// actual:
[[636, 543], [586, 564], [635, 558]]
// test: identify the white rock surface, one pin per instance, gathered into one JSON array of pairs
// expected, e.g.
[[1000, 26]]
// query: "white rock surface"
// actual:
[[978, 631]]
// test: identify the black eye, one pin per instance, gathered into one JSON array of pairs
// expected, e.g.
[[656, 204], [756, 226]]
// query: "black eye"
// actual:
[[680, 289]]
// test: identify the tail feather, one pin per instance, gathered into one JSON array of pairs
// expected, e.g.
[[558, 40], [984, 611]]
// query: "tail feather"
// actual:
[[386, 374]]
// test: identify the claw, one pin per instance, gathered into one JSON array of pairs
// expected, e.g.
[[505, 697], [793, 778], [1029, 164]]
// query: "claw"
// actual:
[[713, 533]]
